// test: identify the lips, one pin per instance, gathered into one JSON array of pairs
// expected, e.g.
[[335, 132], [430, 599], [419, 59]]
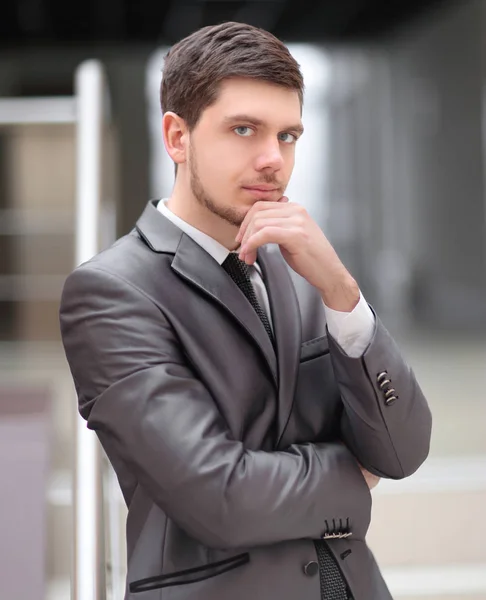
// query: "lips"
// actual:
[[263, 192], [261, 188], [260, 193]]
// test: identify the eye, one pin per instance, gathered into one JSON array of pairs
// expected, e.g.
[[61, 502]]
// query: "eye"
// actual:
[[287, 138], [243, 131]]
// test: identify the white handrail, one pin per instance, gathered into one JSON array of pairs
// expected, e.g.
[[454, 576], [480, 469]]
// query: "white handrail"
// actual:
[[43, 111], [89, 563]]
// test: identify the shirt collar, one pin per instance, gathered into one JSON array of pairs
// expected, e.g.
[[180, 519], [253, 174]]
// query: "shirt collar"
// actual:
[[212, 247]]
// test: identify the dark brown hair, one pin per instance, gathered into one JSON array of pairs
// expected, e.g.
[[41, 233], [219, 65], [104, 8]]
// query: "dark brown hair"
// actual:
[[195, 67]]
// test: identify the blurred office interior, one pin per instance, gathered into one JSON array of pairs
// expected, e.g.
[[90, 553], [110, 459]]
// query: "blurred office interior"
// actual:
[[392, 166]]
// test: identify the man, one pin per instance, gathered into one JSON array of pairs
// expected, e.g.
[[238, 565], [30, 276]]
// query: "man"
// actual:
[[245, 393]]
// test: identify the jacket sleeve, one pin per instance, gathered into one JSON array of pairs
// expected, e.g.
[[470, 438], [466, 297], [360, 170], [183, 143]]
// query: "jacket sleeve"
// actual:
[[386, 421], [135, 387]]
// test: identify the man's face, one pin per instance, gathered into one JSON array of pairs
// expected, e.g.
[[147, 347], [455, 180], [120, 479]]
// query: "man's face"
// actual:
[[242, 149]]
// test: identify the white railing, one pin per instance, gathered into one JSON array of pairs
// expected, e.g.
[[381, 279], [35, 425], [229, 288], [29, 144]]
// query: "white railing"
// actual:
[[89, 559], [42, 111]]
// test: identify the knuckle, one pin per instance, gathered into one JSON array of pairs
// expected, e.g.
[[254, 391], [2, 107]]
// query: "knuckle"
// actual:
[[304, 236]]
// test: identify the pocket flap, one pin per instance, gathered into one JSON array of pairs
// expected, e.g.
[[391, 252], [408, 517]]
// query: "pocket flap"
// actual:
[[314, 348]]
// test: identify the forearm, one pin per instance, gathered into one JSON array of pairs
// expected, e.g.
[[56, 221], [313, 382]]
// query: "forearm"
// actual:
[[226, 496], [389, 437]]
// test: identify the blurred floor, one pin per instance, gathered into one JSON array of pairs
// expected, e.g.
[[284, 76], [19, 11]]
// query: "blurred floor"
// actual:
[[428, 531]]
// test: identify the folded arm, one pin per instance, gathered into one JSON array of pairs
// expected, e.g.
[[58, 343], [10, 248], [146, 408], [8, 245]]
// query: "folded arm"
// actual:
[[135, 386]]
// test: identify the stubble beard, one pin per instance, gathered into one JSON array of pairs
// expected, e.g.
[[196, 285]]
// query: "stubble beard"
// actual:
[[228, 213]]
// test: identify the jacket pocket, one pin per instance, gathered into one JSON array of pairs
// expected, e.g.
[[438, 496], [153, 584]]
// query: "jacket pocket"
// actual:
[[314, 348], [189, 575]]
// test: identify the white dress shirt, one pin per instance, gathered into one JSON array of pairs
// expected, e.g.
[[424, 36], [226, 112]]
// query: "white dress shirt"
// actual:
[[351, 330]]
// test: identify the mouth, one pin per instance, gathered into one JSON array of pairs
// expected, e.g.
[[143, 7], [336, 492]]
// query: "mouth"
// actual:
[[261, 193], [261, 188]]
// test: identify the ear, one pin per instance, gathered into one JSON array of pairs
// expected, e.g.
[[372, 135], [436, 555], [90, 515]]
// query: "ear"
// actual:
[[175, 136]]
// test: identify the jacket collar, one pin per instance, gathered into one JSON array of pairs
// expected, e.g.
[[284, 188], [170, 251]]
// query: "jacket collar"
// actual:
[[158, 232]]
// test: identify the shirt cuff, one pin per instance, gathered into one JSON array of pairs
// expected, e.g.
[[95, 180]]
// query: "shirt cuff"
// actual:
[[353, 331]]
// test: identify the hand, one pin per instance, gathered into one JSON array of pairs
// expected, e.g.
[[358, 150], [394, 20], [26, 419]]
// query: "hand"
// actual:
[[304, 247], [371, 480]]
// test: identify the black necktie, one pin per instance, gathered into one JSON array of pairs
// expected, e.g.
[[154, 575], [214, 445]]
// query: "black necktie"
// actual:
[[333, 586], [239, 272]]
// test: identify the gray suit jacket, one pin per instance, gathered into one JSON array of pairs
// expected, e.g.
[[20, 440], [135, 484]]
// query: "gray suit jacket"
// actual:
[[233, 458]]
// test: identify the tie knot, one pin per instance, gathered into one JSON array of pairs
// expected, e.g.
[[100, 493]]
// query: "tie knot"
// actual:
[[234, 266]]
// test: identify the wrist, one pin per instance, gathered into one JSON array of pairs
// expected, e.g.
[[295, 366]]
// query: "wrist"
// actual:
[[340, 293]]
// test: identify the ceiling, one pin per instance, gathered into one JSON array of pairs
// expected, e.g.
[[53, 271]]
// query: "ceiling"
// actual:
[[57, 22]]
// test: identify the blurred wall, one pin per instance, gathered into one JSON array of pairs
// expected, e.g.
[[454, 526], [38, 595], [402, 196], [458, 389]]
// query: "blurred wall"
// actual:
[[407, 170], [437, 79]]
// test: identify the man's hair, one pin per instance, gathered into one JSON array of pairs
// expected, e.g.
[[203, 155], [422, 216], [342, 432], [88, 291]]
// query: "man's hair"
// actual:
[[196, 66]]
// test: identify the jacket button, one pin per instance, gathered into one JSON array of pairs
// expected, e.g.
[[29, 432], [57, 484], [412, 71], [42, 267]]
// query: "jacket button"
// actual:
[[311, 568]]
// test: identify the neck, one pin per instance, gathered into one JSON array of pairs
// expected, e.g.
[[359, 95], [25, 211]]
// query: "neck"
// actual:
[[185, 205]]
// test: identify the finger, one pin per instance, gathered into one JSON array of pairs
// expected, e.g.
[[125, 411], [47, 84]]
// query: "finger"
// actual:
[[261, 205], [257, 208], [286, 216], [273, 210], [249, 257], [268, 235], [264, 221]]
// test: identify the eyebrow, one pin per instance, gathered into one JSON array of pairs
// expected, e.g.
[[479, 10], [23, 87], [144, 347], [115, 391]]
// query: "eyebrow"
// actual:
[[297, 128]]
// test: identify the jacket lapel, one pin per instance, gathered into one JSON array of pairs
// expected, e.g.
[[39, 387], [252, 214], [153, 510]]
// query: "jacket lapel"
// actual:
[[197, 267], [287, 326]]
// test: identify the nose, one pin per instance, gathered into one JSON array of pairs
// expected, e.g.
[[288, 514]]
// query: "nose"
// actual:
[[270, 156]]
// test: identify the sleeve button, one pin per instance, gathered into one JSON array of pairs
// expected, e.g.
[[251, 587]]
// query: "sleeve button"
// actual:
[[381, 377]]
